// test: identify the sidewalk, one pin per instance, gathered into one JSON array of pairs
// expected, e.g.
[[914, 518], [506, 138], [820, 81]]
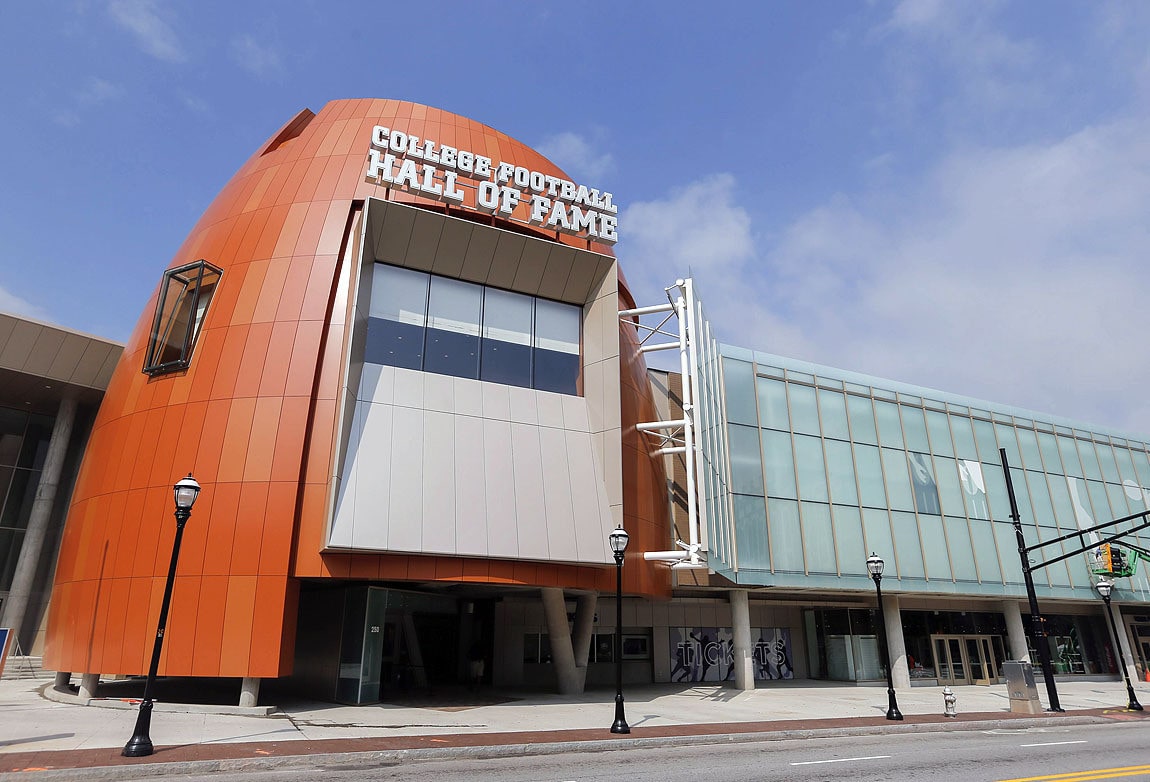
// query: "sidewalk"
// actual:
[[58, 740]]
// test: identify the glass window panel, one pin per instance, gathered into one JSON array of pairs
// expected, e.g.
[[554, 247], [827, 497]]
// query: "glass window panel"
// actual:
[[398, 317], [841, 473], [871, 491], [453, 314], [1080, 576], [987, 447], [1007, 542], [786, 536], [1102, 510], [804, 413], [1060, 499], [897, 479], [1136, 496], [1106, 461], [973, 489], [21, 497], [833, 411], [910, 564], [773, 404], [779, 464], [10, 542], [809, 465], [996, 495], [1080, 502], [1056, 574], [506, 347], [876, 527], [934, 546], [12, 424], [1089, 456], [889, 427], [940, 441], [556, 359], [751, 529], [925, 487], [961, 552], [1069, 456], [985, 551], [914, 429], [862, 421], [1043, 511], [746, 460], [852, 551], [818, 538], [1049, 448], [739, 382], [1125, 465], [34, 449], [949, 488], [1141, 466], [963, 437], [1028, 446], [1118, 501]]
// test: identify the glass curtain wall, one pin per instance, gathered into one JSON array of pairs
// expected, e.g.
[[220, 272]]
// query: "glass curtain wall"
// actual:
[[825, 470], [23, 446]]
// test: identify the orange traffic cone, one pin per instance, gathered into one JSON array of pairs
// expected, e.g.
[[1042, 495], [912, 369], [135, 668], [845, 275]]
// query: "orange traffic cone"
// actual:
[[1147, 677]]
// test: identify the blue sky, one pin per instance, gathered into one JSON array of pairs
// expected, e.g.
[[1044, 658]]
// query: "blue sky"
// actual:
[[952, 194]]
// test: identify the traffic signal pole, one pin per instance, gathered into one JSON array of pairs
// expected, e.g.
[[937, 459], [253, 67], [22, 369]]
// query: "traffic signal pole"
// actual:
[[1037, 625]]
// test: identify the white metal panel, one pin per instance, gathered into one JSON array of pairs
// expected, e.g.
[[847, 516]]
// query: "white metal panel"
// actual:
[[471, 527], [530, 511], [589, 500], [373, 476], [468, 397], [557, 490], [438, 392], [499, 483], [405, 506], [550, 409], [343, 520], [524, 405], [439, 474], [408, 388], [496, 402]]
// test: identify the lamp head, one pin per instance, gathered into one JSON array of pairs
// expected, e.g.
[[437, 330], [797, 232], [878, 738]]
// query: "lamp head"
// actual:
[[875, 565], [1104, 587], [186, 491], [619, 539]]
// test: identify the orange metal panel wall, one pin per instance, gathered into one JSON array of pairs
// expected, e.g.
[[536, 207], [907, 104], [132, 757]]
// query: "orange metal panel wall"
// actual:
[[252, 418]]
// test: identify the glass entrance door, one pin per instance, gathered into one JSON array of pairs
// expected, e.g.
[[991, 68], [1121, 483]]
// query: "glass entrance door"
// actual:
[[964, 659]]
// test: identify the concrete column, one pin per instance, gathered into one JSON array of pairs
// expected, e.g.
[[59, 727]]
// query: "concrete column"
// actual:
[[62, 681], [741, 625], [1123, 643], [1015, 633], [584, 627], [896, 644], [24, 579], [570, 677], [88, 684], [249, 691]]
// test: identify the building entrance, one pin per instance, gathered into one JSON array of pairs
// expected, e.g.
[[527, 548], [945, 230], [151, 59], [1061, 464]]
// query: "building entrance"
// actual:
[[964, 659]]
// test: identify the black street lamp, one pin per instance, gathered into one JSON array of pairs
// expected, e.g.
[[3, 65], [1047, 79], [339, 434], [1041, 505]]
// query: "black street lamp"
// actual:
[[1104, 588], [186, 491], [619, 539], [875, 566]]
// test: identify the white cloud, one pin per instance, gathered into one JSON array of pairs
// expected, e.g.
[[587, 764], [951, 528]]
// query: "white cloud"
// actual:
[[257, 58], [577, 156], [14, 305], [154, 35], [1015, 274], [94, 92]]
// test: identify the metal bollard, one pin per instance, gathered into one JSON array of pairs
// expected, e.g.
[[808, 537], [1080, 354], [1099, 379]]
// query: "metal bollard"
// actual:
[[948, 700]]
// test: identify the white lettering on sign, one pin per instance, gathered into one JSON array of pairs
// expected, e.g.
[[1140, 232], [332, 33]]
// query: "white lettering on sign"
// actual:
[[441, 172]]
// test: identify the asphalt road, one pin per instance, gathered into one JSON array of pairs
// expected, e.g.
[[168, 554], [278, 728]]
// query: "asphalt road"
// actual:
[[1072, 753]]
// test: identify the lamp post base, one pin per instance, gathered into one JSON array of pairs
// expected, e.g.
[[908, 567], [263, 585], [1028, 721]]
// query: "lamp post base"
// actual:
[[892, 712], [1133, 705], [620, 724], [140, 745]]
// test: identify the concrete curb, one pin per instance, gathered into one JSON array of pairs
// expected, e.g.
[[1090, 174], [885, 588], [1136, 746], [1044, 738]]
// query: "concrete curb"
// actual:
[[335, 761], [50, 693]]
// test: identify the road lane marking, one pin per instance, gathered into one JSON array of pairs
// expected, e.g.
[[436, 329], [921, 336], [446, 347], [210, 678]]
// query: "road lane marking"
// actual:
[[1084, 776], [1053, 743], [838, 760]]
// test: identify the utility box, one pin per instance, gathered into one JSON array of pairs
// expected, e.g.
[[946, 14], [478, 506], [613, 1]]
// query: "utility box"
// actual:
[[1021, 687]]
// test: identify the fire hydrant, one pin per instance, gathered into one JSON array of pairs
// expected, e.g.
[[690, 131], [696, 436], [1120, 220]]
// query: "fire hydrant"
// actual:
[[948, 700]]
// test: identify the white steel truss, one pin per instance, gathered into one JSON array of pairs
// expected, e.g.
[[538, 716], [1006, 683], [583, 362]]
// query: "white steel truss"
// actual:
[[676, 436]]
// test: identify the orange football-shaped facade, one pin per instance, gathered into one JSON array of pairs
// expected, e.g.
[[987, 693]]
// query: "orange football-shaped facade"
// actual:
[[265, 412]]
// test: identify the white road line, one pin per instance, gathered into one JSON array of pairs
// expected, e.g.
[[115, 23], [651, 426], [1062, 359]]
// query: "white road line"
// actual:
[[838, 760], [1053, 743]]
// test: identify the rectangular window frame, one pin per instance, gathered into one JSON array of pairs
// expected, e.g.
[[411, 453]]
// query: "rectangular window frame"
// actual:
[[180, 313]]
